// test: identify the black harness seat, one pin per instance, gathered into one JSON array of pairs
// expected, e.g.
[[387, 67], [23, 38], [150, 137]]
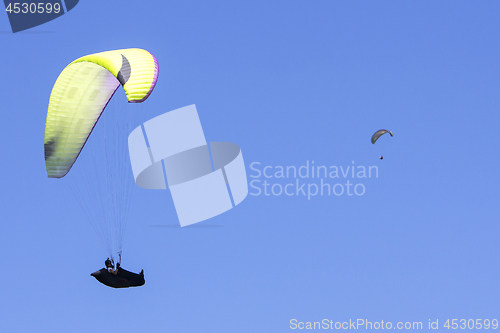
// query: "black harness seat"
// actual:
[[122, 279]]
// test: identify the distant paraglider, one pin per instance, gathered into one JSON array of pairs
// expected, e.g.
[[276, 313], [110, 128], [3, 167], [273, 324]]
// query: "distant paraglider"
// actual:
[[377, 135]]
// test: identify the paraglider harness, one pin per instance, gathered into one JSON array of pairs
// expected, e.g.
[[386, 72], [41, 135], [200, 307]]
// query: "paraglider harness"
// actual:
[[119, 277]]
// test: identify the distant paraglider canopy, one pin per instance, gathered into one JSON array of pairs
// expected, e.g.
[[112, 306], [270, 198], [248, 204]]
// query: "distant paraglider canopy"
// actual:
[[378, 134]]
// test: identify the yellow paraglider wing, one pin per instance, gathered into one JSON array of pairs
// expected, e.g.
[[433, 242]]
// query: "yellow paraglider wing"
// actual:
[[81, 93]]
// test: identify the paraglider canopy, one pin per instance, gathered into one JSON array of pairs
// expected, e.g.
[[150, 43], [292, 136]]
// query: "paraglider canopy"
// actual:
[[81, 93], [378, 134]]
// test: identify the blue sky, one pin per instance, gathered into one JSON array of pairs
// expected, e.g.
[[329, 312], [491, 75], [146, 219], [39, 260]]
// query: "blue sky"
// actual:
[[290, 82]]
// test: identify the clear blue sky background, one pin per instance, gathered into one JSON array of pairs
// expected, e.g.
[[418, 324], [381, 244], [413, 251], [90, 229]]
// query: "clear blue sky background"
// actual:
[[290, 82]]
